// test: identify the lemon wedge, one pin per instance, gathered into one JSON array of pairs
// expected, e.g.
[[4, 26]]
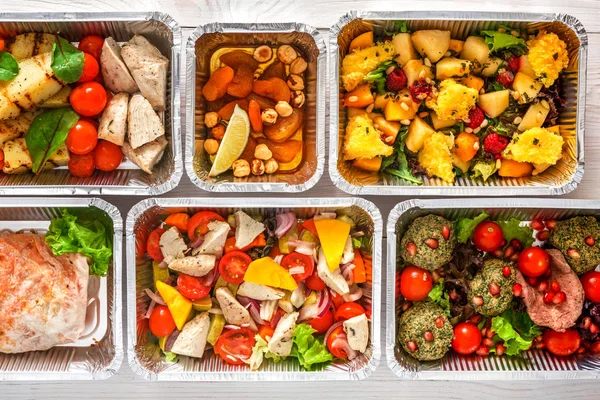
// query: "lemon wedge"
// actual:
[[234, 142]]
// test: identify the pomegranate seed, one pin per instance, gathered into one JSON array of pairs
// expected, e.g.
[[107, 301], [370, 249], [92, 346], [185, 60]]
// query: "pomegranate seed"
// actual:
[[509, 252], [587, 321], [548, 274], [543, 286], [590, 241], [494, 289], [532, 281], [477, 300], [593, 328], [406, 305], [514, 257], [551, 224], [595, 347], [411, 248], [490, 334], [539, 338], [517, 289], [483, 351], [540, 345], [500, 349], [498, 253], [542, 236], [446, 232], [412, 345], [506, 271], [453, 295], [475, 319], [428, 335], [555, 286], [487, 342], [516, 244], [581, 350], [439, 322], [432, 243], [548, 297], [537, 225], [503, 242], [435, 276], [559, 297], [574, 254]]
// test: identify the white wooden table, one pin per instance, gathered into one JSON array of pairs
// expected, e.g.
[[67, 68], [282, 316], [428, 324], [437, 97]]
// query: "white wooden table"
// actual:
[[322, 14]]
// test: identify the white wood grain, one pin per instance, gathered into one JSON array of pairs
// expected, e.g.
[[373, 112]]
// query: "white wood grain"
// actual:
[[383, 384]]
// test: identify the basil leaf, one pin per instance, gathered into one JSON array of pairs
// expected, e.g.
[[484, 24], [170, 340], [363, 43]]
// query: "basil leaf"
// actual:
[[47, 133], [67, 61], [9, 67]]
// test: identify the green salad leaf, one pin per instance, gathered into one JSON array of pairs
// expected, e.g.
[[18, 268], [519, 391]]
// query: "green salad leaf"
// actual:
[[516, 330], [378, 75], [465, 227], [308, 349], [170, 356], [67, 60], [512, 229], [396, 164], [9, 67], [259, 353], [439, 297], [498, 41], [484, 169], [90, 237], [399, 27], [495, 86]]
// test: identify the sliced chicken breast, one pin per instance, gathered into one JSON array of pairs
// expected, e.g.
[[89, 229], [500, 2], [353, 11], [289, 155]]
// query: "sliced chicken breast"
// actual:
[[149, 69], [281, 341], [192, 338], [259, 292], [214, 241], [348, 254], [357, 331], [197, 266], [117, 77], [247, 229], [333, 279], [147, 156], [113, 123], [172, 245], [233, 311], [143, 124]]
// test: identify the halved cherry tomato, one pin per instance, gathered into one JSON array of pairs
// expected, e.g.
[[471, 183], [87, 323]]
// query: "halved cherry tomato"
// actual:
[[347, 311], [488, 236], [467, 338], [198, 225], [313, 282], [259, 241], [591, 286], [191, 287], [336, 299], [92, 44], [91, 121], [161, 321], [415, 283], [334, 345], [322, 324], [233, 266], [178, 220], [309, 225], [2, 44], [90, 68], [107, 156], [266, 332], [82, 166], [1, 157], [533, 262], [562, 343], [153, 244], [88, 99], [295, 259], [82, 138], [235, 345]]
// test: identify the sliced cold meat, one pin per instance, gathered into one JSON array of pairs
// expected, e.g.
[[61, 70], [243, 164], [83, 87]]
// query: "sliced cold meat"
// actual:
[[144, 125], [117, 77], [113, 123]]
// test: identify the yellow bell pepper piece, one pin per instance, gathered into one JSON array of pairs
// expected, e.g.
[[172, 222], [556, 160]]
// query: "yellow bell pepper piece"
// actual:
[[265, 271], [179, 306], [333, 234]]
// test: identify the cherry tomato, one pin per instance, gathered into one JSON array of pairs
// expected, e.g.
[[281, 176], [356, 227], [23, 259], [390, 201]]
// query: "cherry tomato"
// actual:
[[467, 338], [336, 299], [313, 282], [562, 343], [235, 346], [347, 311], [91, 121], [198, 225], [82, 138], [1, 157], [233, 266], [92, 44], [153, 244], [191, 287], [161, 321], [90, 68], [88, 99], [322, 324], [591, 286], [415, 283], [82, 166], [295, 259], [533, 262], [107, 156], [488, 236], [266, 332], [335, 342]]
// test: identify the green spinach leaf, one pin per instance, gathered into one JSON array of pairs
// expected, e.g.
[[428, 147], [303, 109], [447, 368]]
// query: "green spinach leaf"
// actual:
[[47, 133], [67, 61], [9, 67]]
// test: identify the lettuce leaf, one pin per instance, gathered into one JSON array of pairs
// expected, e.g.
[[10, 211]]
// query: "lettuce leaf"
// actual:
[[516, 330], [170, 356], [259, 353], [465, 227], [513, 230], [89, 237], [497, 41], [439, 297], [484, 169], [309, 350]]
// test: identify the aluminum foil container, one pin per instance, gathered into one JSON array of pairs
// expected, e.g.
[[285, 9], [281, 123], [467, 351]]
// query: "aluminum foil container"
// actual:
[[559, 179], [144, 356], [99, 352], [534, 364], [162, 31], [201, 46]]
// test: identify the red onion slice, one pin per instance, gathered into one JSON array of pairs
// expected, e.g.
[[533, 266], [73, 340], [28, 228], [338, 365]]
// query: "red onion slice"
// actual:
[[284, 223], [229, 326], [324, 304], [171, 340], [253, 308], [355, 294], [150, 309], [341, 342], [197, 242], [331, 329], [275, 320], [347, 272], [163, 265], [278, 259], [302, 247], [296, 270], [155, 297]]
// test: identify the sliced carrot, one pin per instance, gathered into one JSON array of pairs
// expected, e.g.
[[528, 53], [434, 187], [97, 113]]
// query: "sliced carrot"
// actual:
[[216, 87], [259, 241], [359, 271], [254, 115], [178, 220], [309, 225], [368, 260]]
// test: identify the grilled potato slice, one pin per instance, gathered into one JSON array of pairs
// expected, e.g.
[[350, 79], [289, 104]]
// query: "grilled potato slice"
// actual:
[[59, 100], [30, 44], [16, 157], [16, 127], [60, 158]]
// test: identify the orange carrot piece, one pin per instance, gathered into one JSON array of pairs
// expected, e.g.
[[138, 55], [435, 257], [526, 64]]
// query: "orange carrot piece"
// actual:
[[359, 271], [178, 220], [309, 225]]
